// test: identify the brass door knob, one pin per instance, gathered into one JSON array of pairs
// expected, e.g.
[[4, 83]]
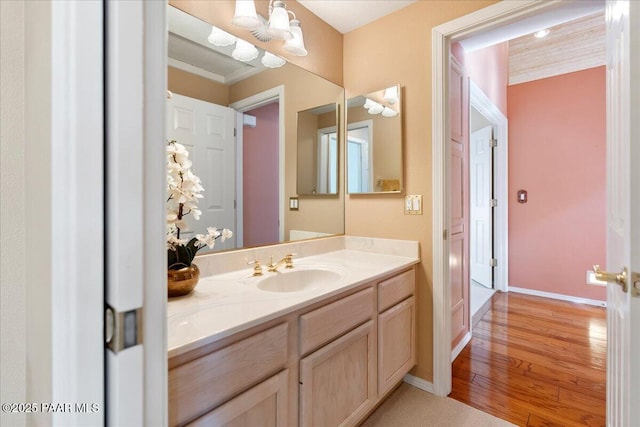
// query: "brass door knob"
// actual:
[[619, 278]]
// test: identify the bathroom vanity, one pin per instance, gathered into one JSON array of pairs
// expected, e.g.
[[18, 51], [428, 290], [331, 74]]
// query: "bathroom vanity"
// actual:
[[320, 344]]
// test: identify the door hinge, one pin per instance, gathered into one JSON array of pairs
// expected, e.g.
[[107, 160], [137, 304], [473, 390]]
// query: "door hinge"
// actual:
[[493, 143], [445, 234], [235, 131], [123, 329], [493, 262], [493, 203]]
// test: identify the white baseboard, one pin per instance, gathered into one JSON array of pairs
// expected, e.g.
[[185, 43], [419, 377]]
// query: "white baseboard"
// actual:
[[419, 383], [464, 341], [558, 296]]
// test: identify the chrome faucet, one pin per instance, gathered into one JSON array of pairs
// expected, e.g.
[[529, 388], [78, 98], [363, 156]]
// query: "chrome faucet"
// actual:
[[288, 260]]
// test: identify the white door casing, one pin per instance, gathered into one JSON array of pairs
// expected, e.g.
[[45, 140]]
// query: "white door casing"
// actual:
[[206, 130], [135, 179], [258, 100], [623, 210], [481, 212]]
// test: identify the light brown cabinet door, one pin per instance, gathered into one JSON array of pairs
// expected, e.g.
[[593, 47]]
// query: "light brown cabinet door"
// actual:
[[264, 405], [396, 344], [338, 382]]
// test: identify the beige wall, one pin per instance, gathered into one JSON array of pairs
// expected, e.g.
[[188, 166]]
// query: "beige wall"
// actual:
[[193, 86], [12, 209], [322, 41], [397, 49]]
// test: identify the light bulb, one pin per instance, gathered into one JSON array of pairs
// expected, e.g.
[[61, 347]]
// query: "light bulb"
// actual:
[[295, 45], [279, 27], [245, 15]]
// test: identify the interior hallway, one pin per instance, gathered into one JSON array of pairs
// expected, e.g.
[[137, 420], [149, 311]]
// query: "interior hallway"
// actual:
[[536, 362]]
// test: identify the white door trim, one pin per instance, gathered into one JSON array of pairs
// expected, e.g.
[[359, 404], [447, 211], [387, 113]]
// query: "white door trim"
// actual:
[[77, 217], [136, 257], [483, 104], [492, 16], [255, 101]]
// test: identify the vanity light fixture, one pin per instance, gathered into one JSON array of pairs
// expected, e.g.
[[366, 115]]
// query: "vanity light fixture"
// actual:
[[244, 51], [295, 46], [219, 37], [389, 112], [391, 95], [270, 60], [542, 33], [374, 107], [277, 26], [245, 15]]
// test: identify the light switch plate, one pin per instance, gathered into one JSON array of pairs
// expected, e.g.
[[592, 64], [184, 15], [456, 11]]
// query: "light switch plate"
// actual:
[[413, 204], [293, 203]]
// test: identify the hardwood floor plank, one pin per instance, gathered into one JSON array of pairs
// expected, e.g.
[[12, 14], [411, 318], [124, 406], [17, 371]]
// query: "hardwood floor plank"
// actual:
[[536, 362]]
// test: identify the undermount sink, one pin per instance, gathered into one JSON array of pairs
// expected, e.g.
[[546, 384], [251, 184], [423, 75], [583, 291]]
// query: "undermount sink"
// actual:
[[297, 280]]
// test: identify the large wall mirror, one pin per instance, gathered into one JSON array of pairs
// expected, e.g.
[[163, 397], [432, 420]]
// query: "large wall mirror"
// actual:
[[374, 142], [318, 151], [249, 178]]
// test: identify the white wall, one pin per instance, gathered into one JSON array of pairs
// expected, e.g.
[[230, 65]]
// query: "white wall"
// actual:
[[12, 209], [37, 228]]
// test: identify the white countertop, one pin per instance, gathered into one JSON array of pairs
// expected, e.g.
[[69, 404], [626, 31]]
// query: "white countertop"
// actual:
[[224, 304]]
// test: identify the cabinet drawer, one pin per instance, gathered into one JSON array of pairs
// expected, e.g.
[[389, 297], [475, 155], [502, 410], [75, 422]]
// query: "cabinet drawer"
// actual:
[[262, 405], [206, 382], [395, 289], [324, 324]]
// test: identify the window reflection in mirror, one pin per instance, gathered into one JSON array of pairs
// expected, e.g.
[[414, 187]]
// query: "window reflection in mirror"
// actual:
[[374, 142], [318, 151]]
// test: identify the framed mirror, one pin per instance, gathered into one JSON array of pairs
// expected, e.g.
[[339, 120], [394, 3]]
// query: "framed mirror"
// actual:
[[318, 148], [249, 179], [374, 142]]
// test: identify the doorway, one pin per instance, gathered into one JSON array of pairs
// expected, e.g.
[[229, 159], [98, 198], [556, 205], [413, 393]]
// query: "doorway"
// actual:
[[492, 17], [488, 231]]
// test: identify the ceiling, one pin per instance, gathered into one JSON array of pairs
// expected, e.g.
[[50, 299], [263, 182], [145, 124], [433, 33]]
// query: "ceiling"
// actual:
[[347, 15]]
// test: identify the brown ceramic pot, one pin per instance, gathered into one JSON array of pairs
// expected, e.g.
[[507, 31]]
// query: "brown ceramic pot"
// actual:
[[183, 281]]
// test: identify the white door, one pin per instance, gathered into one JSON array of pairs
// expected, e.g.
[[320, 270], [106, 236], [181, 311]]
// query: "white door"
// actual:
[[135, 216], [481, 212], [623, 211], [206, 130]]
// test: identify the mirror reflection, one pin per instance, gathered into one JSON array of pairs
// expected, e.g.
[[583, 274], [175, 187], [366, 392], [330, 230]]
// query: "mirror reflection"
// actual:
[[248, 178], [318, 151], [374, 142]]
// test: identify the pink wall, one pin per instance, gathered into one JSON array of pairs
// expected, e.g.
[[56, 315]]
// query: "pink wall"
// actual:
[[489, 69], [557, 153], [260, 177]]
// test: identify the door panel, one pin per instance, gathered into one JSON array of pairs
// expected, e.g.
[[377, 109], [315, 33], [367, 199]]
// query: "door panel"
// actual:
[[206, 130], [459, 198], [623, 211], [481, 230]]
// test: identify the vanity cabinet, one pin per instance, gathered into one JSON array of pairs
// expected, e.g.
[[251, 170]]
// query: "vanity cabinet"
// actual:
[[327, 364]]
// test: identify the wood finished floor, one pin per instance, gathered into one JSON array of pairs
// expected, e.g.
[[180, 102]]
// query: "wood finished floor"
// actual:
[[536, 362]]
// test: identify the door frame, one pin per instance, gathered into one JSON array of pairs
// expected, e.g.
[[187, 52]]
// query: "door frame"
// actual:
[[442, 37], [246, 104], [479, 100]]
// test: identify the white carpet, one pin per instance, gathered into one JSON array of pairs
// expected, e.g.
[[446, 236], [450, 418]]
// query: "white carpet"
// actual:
[[411, 407]]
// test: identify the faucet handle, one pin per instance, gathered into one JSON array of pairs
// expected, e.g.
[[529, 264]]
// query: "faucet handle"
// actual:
[[289, 260], [257, 268]]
